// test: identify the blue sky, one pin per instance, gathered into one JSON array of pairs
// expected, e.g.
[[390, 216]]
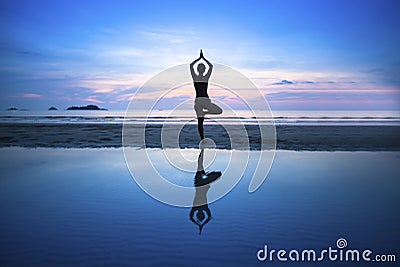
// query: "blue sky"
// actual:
[[302, 54]]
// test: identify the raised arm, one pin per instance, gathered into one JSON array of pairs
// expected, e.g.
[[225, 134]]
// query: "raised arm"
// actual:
[[192, 72], [192, 216], [209, 65]]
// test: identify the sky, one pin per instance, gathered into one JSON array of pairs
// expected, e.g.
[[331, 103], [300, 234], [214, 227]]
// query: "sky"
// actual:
[[302, 54]]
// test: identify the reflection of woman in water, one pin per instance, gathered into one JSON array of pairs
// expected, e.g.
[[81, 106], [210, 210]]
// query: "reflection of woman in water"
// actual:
[[202, 104], [202, 182]]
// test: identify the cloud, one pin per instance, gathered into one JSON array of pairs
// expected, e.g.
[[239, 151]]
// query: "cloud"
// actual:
[[28, 53], [171, 36], [334, 100], [308, 82], [333, 96], [111, 71], [17, 48], [93, 99], [287, 82], [130, 52], [283, 82], [374, 70], [30, 95]]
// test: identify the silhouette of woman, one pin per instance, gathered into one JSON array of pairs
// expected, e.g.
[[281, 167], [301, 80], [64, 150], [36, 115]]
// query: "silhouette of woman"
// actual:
[[202, 182], [202, 103]]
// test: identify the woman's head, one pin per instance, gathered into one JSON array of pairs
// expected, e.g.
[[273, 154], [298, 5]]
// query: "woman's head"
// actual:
[[200, 215], [201, 68]]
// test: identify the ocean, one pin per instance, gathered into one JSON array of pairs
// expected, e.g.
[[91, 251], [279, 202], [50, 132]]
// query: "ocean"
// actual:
[[297, 117]]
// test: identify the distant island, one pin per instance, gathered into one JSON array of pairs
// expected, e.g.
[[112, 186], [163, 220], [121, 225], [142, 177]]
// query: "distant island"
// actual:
[[12, 108], [53, 108], [88, 107]]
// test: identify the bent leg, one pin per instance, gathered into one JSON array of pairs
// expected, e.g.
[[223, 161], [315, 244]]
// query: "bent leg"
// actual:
[[213, 109]]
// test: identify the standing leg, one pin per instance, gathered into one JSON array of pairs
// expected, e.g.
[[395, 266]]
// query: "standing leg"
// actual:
[[200, 121]]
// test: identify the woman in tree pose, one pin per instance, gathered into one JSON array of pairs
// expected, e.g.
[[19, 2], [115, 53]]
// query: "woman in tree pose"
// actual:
[[200, 213], [202, 104]]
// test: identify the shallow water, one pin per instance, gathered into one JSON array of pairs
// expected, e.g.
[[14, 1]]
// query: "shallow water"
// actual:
[[280, 117], [80, 207]]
